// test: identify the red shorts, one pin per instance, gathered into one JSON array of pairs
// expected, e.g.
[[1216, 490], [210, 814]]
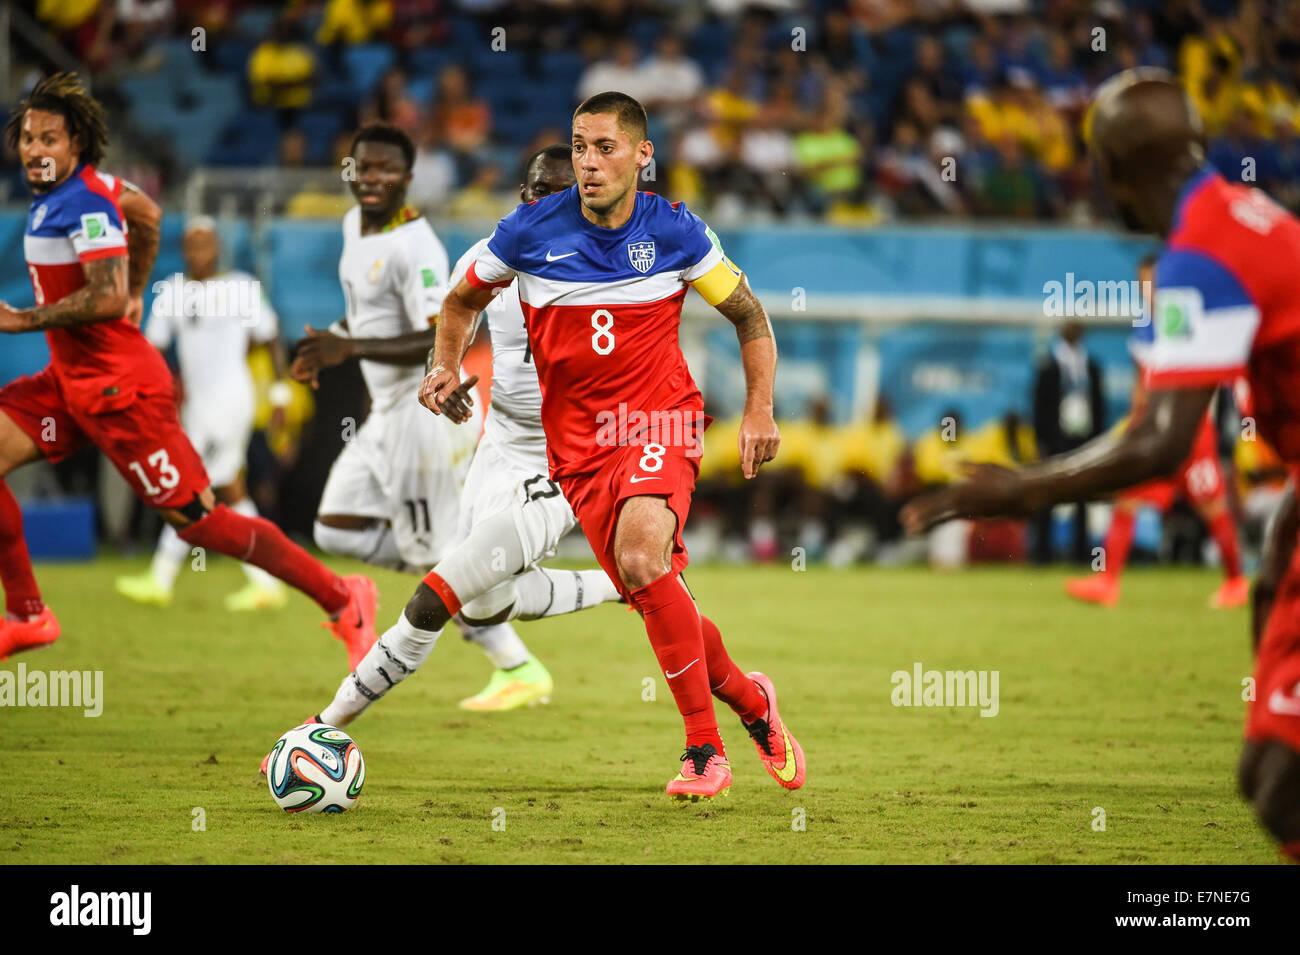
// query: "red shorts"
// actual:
[[144, 440], [1275, 712], [632, 471], [1200, 479]]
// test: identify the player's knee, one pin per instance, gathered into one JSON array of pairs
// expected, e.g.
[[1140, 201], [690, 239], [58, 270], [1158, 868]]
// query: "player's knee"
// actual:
[[425, 610], [639, 566], [1269, 775]]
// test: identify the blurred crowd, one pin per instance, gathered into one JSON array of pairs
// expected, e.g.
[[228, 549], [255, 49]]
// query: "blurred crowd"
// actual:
[[845, 110]]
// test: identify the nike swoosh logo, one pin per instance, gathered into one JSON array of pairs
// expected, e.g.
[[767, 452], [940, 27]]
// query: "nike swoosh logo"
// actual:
[[1284, 705], [682, 670], [787, 772], [556, 258], [647, 477]]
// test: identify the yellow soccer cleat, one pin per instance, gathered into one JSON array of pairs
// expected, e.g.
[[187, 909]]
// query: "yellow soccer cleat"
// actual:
[[525, 685], [144, 589], [254, 596]]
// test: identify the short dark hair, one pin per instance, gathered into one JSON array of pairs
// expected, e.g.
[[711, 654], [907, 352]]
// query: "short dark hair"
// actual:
[[63, 93], [384, 133], [559, 152], [630, 113]]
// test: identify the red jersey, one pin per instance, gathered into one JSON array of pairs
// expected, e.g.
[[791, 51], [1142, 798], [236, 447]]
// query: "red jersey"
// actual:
[[602, 308], [101, 366], [1227, 303]]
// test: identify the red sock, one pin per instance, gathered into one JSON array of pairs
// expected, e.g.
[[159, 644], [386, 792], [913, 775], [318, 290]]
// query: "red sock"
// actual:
[[22, 596], [1224, 531], [1119, 540], [1291, 851], [730, 685], [257, 541], [672, 622]]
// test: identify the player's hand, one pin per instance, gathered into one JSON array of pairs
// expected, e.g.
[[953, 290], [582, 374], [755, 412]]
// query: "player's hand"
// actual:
[[459, 402], [325, 349], [10, 319], [988, 490], [759, 439], [437, 388]]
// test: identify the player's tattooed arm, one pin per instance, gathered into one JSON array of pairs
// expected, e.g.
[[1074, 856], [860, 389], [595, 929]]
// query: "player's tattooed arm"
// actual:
[[101, 299], [144, 222], [759, 436]]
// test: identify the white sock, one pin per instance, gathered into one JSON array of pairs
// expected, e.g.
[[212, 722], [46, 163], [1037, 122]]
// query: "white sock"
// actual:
[[499, 641], [394, 657], [168, 557], [543, 592], [257, 575]]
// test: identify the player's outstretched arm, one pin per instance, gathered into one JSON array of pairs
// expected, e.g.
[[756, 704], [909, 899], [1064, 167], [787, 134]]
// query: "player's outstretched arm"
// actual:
[[1155, 445], [144, 222], [759, 437], [455, 322], [103, 298]]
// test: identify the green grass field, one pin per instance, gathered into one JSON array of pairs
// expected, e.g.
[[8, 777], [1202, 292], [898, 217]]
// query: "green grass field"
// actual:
[[1136, 710]]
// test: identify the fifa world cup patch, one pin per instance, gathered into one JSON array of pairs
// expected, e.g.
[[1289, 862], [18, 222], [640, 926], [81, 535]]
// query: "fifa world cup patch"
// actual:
[[430, 279], [641, 255], [94, 225], [1176, 312]]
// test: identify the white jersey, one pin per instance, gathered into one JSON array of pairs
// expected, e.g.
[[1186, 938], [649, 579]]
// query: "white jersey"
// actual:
[[394, 283], [212, 323], [514, 420]]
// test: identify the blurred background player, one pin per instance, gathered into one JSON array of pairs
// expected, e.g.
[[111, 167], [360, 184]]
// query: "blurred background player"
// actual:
[[608, 257], [213, 318], [105, 384], [393, 494], [1226, 304], [1200, 480]]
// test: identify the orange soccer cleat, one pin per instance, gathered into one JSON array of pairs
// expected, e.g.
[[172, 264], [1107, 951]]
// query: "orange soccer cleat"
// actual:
[[1233, 592], [356, 624], [780, 752], [1100, 589], [39, 631], [705, 774]]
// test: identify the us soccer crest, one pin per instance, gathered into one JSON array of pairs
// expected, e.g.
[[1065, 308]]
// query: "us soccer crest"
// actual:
[[39, 217], [641, 255]]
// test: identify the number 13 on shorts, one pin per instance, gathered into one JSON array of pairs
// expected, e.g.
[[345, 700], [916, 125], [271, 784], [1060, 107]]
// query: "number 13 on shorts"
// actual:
[[163, 469]]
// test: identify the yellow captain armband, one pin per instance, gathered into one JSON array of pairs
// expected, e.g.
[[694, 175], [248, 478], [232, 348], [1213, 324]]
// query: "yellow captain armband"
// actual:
[[719, 282]]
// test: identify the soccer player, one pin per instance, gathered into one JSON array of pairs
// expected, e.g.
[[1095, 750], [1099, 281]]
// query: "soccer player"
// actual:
[[512, 514], [393, 495], [90, 244], [602, 271], [1199, 480], [1226, 304], [214, 318]]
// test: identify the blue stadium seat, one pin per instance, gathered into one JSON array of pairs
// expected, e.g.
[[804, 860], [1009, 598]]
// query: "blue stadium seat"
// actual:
[[429, 60], [255, 22], [250, 139], [320, 127], [365, 64], [303, 263]]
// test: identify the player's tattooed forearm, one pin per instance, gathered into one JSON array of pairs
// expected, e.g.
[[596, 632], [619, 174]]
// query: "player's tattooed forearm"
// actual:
[[105, 283], [142, 250], [743, 309]]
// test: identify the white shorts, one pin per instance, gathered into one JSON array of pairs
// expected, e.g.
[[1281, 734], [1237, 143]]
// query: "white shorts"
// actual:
[[540, 513], [220, 436], [406, 466]]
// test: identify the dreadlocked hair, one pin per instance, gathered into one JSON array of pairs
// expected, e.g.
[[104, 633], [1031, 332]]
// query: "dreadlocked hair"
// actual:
[[64, 94]]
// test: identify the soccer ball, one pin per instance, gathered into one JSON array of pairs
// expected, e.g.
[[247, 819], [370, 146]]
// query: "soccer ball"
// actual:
[[315, 768]]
